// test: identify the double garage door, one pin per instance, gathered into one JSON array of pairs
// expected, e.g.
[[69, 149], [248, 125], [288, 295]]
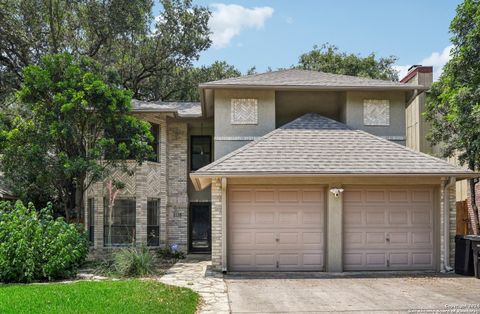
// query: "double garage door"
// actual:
[[281, 228]]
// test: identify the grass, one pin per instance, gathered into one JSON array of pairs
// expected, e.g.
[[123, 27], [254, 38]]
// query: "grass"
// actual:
[[122, 296]]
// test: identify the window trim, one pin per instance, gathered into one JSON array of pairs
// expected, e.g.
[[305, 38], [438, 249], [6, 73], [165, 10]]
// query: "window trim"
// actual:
[[192, 137]]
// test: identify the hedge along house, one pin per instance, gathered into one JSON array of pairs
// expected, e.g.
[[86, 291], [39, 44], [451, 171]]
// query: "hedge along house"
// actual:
[[287, 170]]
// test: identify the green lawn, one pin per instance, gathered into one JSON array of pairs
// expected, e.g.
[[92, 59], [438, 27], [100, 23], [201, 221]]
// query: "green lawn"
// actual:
[[124, 296]]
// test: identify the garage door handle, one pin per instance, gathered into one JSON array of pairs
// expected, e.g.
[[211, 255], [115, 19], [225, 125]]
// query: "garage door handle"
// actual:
[[277, 239]]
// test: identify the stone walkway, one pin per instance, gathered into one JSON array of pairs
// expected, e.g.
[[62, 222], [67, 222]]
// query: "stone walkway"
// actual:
[[194, 272]]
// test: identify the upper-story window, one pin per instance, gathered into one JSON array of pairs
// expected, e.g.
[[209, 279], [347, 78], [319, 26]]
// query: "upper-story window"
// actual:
[[376, 112], [201, 151], [155, 130], [244, 111]]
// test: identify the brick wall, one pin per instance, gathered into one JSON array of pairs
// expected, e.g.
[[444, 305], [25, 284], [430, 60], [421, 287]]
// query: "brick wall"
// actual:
[[452, 225], [217, 224], [177, 197], [165, 180]]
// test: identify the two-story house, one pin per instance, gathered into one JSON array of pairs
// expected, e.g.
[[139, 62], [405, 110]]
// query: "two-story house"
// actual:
[[287, 170]]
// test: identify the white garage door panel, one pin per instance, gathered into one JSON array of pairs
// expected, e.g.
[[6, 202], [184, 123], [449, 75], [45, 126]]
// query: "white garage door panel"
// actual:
[[275, 228], [388, 228]]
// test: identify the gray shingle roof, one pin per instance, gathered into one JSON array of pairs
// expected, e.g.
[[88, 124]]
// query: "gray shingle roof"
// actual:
[[183, 109], [295, 78], [315, 145]]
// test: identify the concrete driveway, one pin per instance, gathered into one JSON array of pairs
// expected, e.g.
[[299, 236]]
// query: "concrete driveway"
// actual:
[[378, 292]]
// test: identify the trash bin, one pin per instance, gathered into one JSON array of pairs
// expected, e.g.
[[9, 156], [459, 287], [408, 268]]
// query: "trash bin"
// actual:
[[463, 256], [475, 244]]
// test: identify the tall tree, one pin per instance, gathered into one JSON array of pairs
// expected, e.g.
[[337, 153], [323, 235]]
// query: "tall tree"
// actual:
[[453, 107], [187, 79], [138, 51], [74, 119], [328, 58]]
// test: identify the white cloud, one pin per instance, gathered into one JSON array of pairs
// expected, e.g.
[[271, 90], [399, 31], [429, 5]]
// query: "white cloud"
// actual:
[[228, 20], [402, 70], [436, 59], [289, 20]]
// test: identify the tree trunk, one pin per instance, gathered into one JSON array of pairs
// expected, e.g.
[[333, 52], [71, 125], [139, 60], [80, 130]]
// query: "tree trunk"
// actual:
[[79, 193], [473, 213], [67, 211]]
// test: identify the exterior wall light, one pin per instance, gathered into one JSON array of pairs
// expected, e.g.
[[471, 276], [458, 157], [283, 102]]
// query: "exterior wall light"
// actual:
[[336, 191]]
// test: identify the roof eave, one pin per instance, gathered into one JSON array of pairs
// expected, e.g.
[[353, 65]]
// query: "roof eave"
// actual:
[[203, 180], [406, 87]]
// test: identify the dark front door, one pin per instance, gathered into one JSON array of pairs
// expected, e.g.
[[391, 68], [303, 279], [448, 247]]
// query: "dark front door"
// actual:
[[200, 228]]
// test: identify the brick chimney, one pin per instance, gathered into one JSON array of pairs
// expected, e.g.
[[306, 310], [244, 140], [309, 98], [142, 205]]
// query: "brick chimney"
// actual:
[[419, 74]]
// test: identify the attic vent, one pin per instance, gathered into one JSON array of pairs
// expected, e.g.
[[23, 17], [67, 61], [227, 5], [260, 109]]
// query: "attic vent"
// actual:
[[244, 111], [376, 112]]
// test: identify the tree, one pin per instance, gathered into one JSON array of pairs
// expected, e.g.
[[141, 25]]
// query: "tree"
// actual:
[[327, 58], [113, 188], [139, 52], [453, 107], [73, 120], [187, 80]]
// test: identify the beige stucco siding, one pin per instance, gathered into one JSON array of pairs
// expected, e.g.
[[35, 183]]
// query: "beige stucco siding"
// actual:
[[294, 104], [228, 137], [354, 113]]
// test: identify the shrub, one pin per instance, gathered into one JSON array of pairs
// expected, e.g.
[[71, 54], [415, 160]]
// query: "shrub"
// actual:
[[35, 246], [171, 252], [134, 261]]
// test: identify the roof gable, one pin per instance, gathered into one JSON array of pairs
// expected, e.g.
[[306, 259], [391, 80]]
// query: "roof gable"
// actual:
[[315, 145], [296, 78]]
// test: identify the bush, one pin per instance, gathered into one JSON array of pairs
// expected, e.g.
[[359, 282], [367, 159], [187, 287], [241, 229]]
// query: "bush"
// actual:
[[171, 252], [35, 246], [134, 261]]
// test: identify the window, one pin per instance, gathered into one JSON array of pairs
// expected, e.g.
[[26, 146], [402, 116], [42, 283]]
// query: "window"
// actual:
[[376, 112], [91, 219], [155, 129], [244, 111], [153, 222], [122, 230], [201, 151]]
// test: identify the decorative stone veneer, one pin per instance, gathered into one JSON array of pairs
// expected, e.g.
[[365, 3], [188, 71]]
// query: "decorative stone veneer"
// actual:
[[217, 224], [165, 180]]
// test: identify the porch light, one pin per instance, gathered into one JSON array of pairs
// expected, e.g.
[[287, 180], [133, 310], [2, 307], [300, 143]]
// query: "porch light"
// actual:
[[336, 191]]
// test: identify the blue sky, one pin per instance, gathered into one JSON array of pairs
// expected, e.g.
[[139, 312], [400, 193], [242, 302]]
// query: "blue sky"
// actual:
[[274, 33]]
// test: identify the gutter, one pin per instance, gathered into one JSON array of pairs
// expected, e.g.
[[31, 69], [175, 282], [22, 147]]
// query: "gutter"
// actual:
[[446, 223], [415, 94]]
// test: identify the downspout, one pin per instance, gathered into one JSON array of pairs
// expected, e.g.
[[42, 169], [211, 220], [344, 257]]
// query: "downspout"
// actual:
[[446, 223]]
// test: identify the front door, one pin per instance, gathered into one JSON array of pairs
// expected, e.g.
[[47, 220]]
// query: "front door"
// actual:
[[200, 228]]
